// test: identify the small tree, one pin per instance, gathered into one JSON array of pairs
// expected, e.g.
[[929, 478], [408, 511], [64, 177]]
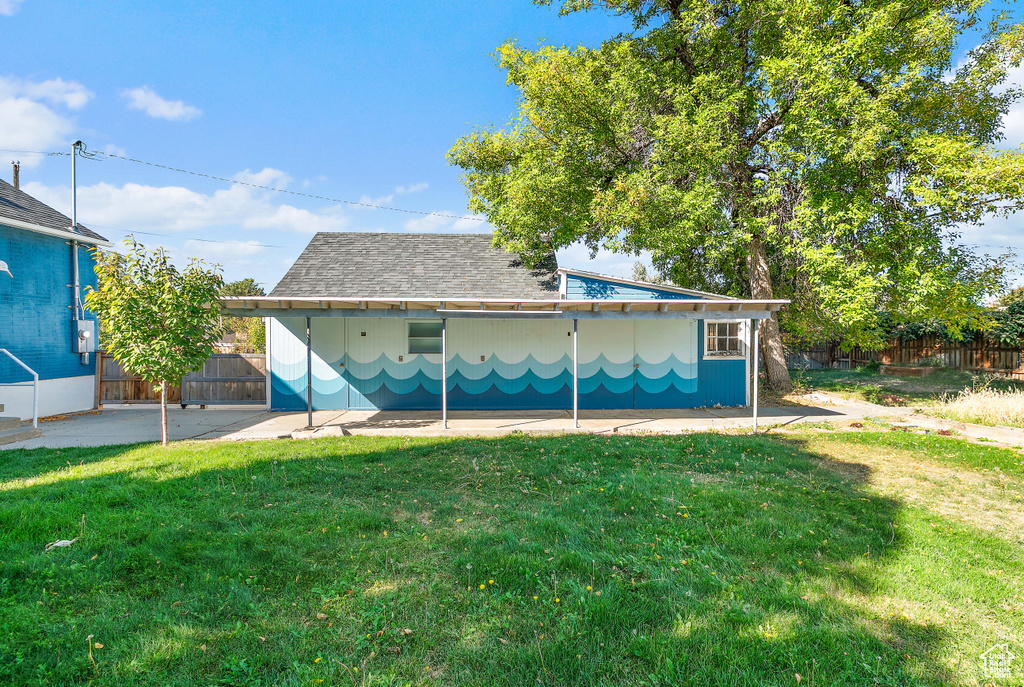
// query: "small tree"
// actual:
[[160, 323]]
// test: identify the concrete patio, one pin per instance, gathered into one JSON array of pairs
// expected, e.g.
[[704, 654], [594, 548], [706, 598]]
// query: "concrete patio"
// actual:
[[135, 424]]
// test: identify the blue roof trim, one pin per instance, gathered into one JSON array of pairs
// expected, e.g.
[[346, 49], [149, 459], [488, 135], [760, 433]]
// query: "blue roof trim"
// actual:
[[586, 288]]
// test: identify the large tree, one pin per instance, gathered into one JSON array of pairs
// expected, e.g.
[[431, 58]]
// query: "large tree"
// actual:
[[159, 322], [821, 150]]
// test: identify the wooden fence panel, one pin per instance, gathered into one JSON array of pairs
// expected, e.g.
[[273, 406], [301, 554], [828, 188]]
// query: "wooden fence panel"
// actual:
[[118, 386], [981, 355], [226, 379]]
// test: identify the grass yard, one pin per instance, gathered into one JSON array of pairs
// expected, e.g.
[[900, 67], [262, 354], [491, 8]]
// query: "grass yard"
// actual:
[[845, 558], [869, 385]]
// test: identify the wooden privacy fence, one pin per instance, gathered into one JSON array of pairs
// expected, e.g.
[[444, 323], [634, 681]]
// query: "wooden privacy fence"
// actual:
[[981, 355], [226, 379]]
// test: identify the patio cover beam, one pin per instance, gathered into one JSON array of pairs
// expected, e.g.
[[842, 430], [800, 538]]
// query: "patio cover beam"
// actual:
[[633, 314]]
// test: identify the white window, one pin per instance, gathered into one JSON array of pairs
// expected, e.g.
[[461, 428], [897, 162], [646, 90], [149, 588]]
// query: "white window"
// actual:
[[724, 340], [425, 336]]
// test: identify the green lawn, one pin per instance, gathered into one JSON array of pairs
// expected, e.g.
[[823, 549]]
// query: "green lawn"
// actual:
[[846, 558], [867, 384]]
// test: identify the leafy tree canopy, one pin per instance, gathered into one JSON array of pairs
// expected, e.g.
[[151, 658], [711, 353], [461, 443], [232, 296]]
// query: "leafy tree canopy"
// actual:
[[820, 150], [1012, 296], [251, 329], [243, 287]]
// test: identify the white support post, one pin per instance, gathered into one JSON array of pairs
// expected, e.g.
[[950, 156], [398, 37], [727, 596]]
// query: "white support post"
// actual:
[[575, 374], [309, 374], [444, 372], [756, 365]]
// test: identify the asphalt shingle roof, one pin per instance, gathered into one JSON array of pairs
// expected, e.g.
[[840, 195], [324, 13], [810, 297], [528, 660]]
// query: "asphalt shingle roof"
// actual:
[[390, 265], [17, 205]]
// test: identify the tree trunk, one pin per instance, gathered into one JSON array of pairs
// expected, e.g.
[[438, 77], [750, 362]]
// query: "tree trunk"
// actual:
[[163, 413], [771, 339]]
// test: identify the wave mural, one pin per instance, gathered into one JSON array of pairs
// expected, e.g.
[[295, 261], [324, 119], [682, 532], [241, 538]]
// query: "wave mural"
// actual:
[[623, 378]]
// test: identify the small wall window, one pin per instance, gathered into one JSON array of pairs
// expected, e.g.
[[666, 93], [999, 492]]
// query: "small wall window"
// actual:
[[724, 340], [425, 337]]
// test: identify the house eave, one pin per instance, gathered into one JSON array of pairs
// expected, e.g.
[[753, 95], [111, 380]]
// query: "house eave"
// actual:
[[59, 233], [321, 306], [643, 284]]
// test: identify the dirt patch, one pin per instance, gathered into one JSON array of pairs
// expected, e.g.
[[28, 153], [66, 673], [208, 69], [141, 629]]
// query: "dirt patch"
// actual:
[[706, 478], [854, 472], [988, 500]]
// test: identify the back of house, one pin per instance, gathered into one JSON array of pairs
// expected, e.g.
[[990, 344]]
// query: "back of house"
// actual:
[[420, 321], [43, 325]]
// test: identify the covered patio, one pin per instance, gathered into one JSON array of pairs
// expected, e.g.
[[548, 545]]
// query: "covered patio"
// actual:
[[571, 312]]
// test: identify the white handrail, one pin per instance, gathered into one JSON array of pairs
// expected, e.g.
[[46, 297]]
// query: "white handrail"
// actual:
[[35, 386]]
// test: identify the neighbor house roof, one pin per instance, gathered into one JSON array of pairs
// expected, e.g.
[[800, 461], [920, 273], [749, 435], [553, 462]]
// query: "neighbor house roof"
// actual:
[[410, 266], [19, 209]]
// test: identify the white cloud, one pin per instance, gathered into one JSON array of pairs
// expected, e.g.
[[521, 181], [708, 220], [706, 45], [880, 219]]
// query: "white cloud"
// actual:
[[289, 218], [429, 223], [1013, 120], [380, 200], [28, 118], [146, 99], [997, 236], [177, 209], [474, 223], [268, 176], [412, 188], [112, 149], [9, 7], [230, 249], [69, 94], [444, 220], [28, 125]]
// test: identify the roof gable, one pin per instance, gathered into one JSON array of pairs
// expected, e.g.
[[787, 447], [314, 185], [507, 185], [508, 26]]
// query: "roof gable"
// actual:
[[393, 265], [587, 285], [22, 209]]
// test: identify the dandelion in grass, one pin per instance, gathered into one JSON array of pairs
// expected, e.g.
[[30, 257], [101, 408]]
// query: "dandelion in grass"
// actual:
[[483, 586]]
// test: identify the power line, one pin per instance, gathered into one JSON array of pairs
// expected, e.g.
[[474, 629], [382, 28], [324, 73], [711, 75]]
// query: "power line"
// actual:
[[284, 190], [48, 153], [129, 232], [95, 155]]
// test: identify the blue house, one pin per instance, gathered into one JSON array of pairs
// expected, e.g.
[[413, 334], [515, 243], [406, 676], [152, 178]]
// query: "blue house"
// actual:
[[446, 321], [42, 321]]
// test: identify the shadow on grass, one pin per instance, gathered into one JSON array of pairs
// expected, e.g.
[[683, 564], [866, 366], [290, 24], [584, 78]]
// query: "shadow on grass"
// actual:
[[583, 560]]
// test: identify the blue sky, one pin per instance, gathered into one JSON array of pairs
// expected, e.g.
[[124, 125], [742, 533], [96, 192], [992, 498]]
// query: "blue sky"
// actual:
[[351, 100]]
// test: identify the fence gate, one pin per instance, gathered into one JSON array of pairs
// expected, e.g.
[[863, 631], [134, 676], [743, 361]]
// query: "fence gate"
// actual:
[[225, 379]]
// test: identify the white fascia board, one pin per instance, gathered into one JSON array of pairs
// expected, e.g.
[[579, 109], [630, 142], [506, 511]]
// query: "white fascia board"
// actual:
[[363, 303], [62, 233], [643, 284]]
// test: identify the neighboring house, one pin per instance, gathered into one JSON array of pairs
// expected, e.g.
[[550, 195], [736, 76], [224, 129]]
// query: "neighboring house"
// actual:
[[40, 318], [383, 307]]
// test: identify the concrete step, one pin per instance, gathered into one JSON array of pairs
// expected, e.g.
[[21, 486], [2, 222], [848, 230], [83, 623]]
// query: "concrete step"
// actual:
[[9, 423], [11, 436]]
